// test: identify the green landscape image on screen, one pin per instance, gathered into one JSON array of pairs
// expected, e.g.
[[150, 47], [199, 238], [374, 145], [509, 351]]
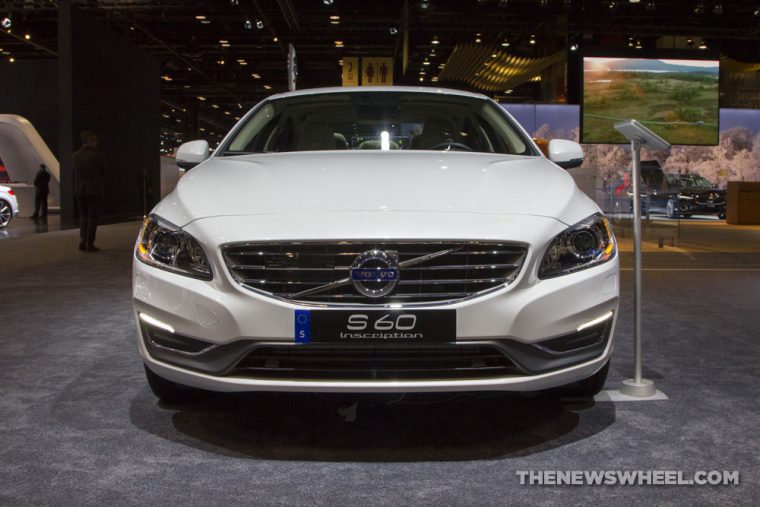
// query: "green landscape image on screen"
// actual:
[[677, 99]]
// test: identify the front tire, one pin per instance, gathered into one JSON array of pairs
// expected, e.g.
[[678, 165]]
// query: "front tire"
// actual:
[[6, 213], [586, 388], [170, 392], [672, 209]]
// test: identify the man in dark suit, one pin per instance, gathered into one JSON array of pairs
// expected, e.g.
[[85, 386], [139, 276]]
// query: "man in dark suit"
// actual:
[[89, 173], [41, 191]]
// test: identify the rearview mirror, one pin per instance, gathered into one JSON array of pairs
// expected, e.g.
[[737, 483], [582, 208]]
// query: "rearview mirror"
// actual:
[[191, 154], [566, 154]]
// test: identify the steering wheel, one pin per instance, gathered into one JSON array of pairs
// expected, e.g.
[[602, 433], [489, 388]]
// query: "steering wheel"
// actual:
[[451, 144]]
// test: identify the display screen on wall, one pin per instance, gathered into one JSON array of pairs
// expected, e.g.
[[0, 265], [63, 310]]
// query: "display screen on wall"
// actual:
[[677, 99]]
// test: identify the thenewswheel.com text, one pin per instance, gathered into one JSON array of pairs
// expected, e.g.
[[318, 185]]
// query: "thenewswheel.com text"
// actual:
[[627, 478]]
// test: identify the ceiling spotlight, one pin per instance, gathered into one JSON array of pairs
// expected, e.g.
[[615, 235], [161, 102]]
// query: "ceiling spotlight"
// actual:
[[338, 43], [267, 87], [505, 43], [234, 3], [700, 8], [205, 21], [634, 1], [424, 5], [574, 46], [543, 3], [651, 6], [690, 42], [532, 40], [255, 76], [27, 36], [11, 59], [6, 22], [328, 2], [275, 39], [259, 24], [638, 44], [247, 24], [435, 40], [757, 12], [612, 5], [703, 44], [200, 17], [718, 8], [393, 30]]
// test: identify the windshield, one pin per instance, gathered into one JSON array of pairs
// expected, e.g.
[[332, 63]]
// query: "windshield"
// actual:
[[377, 121], [694, 181]]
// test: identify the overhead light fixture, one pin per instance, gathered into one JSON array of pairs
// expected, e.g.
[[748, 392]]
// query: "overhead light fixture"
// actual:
[[275, 39], [11, 59], [27, 36], [638, 44], [227, 113], [505, 43], [651, 6], [223, 41], [422, 79], [234, 3], [393, 30], [612, 5], [338, 43], [215, 106], [757, 12], [543, 3], [633, 1], [703, 44], [334, 18], [166, 77], [478, 40], [259, 24], [255, 76], [503, 4], [699, 8], [6, 22], [202, 99], [335, 22], [328, 2], [247, 24], [435, 40], [718, 9], [267, 87], [424, 5], [532, 40], [200, 17], [426, 62], [574, 46], [205, 21]]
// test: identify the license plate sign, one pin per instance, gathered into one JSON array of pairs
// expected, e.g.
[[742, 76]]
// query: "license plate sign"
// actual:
[[375, 326]]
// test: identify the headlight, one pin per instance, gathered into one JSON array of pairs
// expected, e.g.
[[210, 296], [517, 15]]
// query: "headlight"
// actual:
[[586, 244], [166, 246]]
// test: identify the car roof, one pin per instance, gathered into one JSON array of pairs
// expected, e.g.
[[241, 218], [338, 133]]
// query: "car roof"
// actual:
[[377, 89]]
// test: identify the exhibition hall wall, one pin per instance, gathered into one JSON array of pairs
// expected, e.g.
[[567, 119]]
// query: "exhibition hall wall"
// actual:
[[113, 88], [735, 158]]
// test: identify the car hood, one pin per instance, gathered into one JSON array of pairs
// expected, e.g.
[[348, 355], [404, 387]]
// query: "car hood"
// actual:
[[314, 182]]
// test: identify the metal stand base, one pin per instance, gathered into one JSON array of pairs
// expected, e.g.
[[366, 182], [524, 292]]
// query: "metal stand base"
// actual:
[[640, 389]]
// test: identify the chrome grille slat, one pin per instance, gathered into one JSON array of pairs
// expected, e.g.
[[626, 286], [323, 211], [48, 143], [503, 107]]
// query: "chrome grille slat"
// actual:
[[431, 272]]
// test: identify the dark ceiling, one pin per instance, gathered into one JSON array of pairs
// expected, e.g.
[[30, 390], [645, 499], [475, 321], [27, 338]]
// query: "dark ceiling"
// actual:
[[232, 53]]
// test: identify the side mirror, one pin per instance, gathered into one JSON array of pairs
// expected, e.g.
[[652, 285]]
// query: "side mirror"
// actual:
[[191, 154], [566, 154]]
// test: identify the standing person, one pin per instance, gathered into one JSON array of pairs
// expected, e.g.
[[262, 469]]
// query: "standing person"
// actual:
[[89, 174], [41, 191]]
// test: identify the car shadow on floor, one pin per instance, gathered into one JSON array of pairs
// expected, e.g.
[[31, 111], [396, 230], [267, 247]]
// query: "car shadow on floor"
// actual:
[[388, 428]]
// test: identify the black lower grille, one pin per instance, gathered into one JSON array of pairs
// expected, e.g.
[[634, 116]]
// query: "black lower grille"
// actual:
[[375, 363]]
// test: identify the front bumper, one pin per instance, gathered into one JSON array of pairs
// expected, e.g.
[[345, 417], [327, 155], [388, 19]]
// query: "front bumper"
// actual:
[[519, 322]]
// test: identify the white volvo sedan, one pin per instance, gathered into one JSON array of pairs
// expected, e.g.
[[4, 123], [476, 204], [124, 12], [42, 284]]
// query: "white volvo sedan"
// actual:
[[376, 240]]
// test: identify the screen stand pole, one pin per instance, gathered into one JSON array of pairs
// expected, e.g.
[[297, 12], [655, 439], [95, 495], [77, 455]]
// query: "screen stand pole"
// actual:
[[637, 386]]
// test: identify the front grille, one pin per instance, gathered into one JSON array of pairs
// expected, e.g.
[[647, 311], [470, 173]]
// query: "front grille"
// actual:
[[287, 270], [710, 198], [375, 363]]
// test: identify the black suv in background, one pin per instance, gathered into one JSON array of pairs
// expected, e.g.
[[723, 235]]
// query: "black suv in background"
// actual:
[[681, 195]]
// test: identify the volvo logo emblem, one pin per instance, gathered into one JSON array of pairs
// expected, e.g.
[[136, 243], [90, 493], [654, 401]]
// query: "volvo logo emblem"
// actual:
[[375, 273]]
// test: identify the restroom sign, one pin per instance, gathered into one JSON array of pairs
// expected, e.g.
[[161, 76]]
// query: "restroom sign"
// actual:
[[351, 71], [376, 71]]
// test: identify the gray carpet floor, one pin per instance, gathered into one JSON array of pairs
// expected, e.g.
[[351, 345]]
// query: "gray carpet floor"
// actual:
[[79, 426]]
